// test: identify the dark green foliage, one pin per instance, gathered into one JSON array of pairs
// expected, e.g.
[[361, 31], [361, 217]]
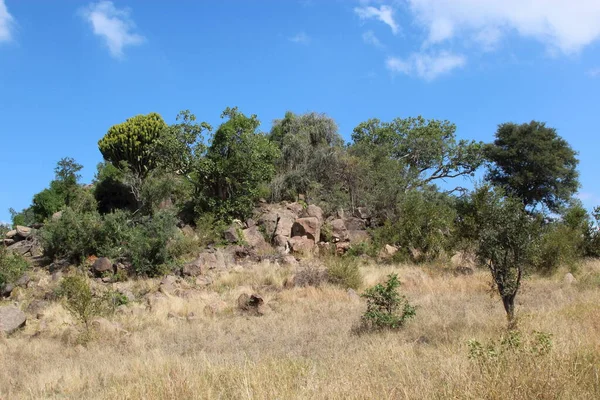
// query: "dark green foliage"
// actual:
[[386, 308], [423, 221], [238, 161], [110, 191], [63, 191], [72, 237], [147, 248], [133, 142], [344, 272], [533, 163], [12, 266], [504, 241]]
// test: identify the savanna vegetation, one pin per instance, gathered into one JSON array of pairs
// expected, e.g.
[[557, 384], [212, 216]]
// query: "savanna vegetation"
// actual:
[[422, 325]]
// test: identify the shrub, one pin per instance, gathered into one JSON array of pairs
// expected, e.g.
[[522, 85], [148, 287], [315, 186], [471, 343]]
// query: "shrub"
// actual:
[[386, 308], [311, 275], [80, 301], [147, 248], [424, 222], [558, 245], [12, 266], [344, 272], [73, 236]]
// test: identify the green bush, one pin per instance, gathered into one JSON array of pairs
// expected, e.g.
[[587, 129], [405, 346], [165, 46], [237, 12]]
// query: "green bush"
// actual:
[[73, 236], [147, 248], [79, 299], [12, 266], [386, 308], [558, 245], [344, 272], [424, 221]]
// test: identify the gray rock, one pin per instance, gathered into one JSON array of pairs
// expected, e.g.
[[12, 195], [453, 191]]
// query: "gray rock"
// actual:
[[569, 278], [11, 319], [102, 265]]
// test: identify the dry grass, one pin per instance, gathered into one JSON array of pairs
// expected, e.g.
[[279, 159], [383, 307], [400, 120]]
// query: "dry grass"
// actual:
[[304, 348]]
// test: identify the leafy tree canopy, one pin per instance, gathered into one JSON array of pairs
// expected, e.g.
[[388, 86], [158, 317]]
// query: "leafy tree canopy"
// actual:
[[132, 142], [425, 150], [532, 162]]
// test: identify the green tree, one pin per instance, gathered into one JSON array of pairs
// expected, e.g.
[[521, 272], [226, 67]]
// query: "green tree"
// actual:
[[504, 241], [310, 146], [63, 190], [238, 162], [427, 150], [132, 142], [532, 162], [404, 155]]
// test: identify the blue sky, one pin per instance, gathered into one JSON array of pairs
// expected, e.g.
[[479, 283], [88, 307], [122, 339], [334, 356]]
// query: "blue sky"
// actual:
[[69, 70]]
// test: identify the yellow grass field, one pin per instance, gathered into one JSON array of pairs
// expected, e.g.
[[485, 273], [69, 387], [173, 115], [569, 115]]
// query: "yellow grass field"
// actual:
[[304, 348]]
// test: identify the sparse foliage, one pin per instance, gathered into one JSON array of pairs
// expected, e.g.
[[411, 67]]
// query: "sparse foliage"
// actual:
[[386, 307]]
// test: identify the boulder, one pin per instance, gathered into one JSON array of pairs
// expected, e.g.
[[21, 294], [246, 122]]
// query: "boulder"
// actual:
[[339, 232], [8, 242], [254, 238], [309, 226], [23, 231], [6, 289], [569, 278], [102, 265], [250, 223], [355, 224], [289, 260], [28, 248], [284, 225], [199, 266], [11, 319], [358, 236], [314, 211], [11, 234], [296, 208], [352, 295], [231, 234], [188, 231], [302, 244], [390, 250], [168, 285], [252, 304], [56, 216]]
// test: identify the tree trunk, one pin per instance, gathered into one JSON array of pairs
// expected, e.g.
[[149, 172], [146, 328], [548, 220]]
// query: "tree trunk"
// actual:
[[509, 307]]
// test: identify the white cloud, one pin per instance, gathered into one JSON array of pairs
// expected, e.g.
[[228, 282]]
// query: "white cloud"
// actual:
[[114, 25], [426, 66], [300, 38], [6, 23], [384, 14], [370, 38], [564, 25]]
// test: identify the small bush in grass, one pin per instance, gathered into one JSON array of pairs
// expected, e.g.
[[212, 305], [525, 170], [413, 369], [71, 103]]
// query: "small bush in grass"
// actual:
[[386, 307], [344, 271], [12, 266], [80, 301]]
